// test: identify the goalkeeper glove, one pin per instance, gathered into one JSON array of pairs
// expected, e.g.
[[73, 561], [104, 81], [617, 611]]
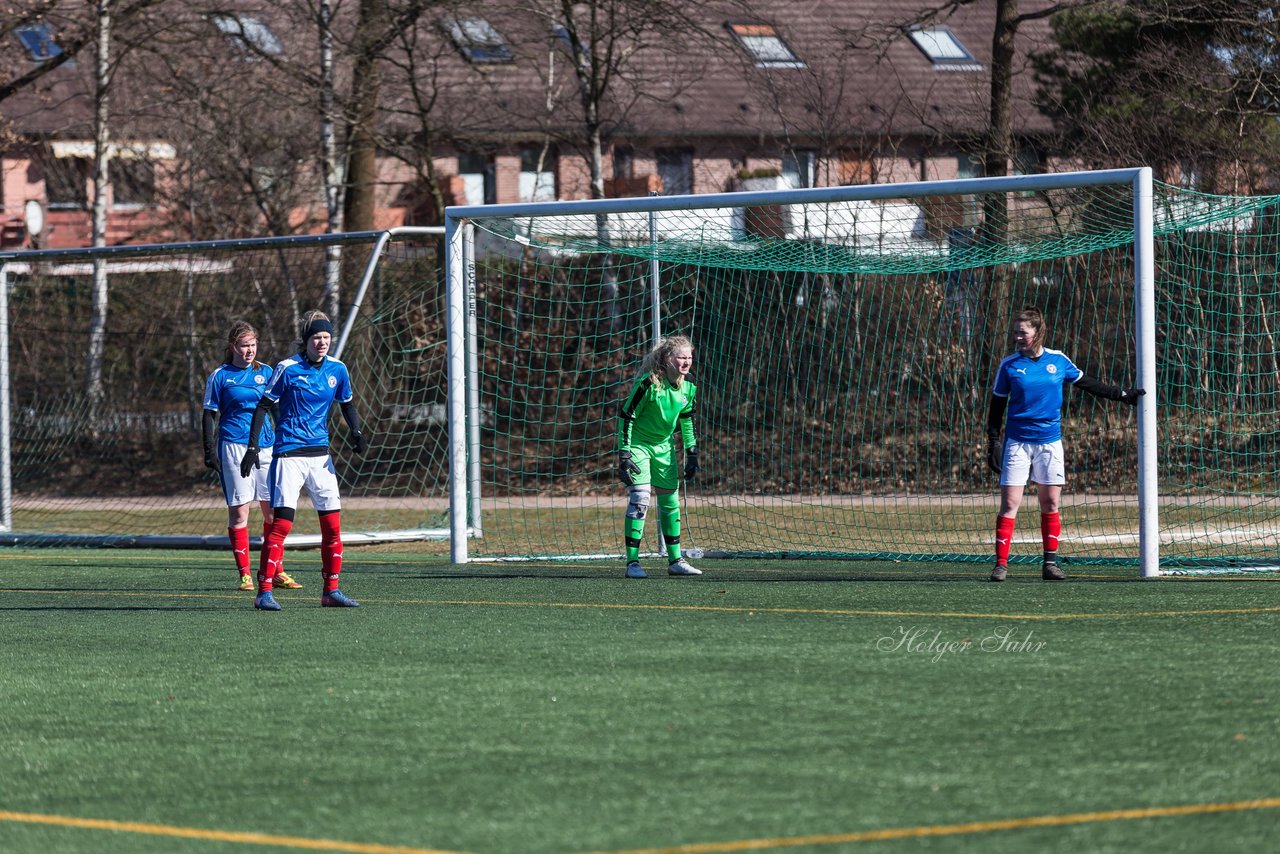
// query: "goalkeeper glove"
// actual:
[[249, 462], [210, 459], [690, 463], [358, 442], [994, 449], [1131, 395], [626, 468]]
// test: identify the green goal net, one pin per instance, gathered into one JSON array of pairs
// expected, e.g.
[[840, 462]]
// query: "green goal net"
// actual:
[[844, 352], [111, 455]]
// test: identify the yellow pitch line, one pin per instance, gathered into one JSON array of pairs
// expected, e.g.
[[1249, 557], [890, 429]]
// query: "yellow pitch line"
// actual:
[[725, 609], [835, 612], [956, 829], [215, 835]]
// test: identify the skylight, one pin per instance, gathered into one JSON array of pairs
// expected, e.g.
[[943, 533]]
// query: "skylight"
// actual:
[[764, 45], [38, 40], [248, 33], [942, 47], [477, 39]]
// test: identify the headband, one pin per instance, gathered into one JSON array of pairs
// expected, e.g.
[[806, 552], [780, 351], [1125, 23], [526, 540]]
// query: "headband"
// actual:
[[315, 326]]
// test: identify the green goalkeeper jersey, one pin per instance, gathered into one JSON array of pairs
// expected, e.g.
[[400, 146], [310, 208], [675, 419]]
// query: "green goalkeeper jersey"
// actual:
[[651, 412]]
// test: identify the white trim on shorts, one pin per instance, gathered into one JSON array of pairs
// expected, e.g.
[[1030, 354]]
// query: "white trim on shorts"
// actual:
[[1035, 462], [241, 490], [290, 475]]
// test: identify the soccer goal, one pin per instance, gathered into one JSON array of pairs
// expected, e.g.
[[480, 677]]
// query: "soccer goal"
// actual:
[[100, 443], [845, 342]]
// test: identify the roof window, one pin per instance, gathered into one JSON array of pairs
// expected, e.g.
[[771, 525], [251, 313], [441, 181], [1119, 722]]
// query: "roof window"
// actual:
[[249, 34], [38, 40], [763, 44], [943, 48], [477, 39]]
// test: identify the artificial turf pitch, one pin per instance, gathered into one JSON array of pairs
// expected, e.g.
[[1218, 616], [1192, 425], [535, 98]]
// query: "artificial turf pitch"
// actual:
[[146, 707]]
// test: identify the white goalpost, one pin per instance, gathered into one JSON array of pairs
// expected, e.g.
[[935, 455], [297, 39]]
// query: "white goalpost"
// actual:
[[826, 277]]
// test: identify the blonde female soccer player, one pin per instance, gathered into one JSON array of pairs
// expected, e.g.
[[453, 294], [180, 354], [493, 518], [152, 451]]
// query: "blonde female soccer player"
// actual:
[[1029, 385], [231, 394], [305, 386], [661, 399]]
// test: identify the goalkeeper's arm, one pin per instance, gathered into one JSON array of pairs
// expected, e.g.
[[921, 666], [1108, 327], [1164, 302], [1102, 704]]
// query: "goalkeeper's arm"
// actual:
[[1109, 392]]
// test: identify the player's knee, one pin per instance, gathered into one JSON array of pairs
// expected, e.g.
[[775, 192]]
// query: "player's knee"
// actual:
[[638, 502]]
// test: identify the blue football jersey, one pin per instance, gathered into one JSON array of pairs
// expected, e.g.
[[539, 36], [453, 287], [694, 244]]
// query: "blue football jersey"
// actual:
[[305, 393], [234, 393], [1034, 389]]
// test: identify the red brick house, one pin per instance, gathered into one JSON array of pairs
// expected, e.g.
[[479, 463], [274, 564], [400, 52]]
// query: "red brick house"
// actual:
[[785, 93]]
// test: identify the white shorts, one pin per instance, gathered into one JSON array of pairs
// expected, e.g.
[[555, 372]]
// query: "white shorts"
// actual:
[[1035, 461], [290, 474], [241, 490]]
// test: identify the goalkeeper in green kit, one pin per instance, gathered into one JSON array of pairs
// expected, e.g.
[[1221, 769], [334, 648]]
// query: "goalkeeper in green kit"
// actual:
[[660, 400]]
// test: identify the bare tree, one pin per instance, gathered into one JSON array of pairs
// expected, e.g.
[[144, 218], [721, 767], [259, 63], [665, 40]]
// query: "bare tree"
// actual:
[[377, 26], [1191, 88], [101, 165]]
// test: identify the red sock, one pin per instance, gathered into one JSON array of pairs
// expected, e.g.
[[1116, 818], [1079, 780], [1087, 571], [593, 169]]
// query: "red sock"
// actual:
[[330, 550], [266, 533], [239, 538], [1050, 530], [1004, 538], [272, 553]]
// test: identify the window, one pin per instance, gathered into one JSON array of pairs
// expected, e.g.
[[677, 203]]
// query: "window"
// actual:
[[133, 182], [476, 171], [675, 168], [943, 48], [800, 168], [38, 40], [537, 184], [969, 166], [1189, 176], [477, 39], [1028, 160], [66, 182], [624, 161], [763, 44], [248, 34]]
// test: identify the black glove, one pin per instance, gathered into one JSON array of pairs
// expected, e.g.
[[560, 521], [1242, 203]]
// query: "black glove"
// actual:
[[211, 459], [626, 468], [1131, 395], [249, 462], [358, 442], [690, 463], [995, 450]]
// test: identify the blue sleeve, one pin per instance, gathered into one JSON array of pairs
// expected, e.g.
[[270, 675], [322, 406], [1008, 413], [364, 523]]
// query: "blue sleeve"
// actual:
[[344, 386], [271, 393], [211, 392], [1001, 387], [1072, 372]]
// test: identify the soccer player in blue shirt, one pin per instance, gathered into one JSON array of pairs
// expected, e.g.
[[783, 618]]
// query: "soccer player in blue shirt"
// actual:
[[305, 386], [1029, 385], [231, 394]]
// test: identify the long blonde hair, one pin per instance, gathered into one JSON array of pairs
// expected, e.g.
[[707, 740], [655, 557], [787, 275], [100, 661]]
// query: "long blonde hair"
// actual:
[[655, 361], [238, 330]]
